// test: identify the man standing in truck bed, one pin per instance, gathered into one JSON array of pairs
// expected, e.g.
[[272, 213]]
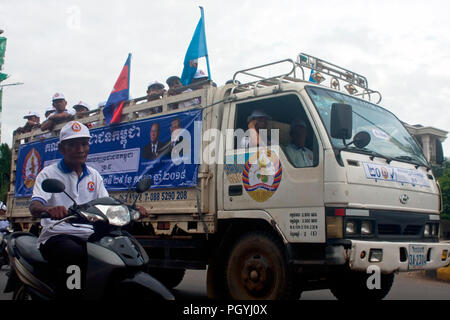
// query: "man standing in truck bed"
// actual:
[[60, 115]]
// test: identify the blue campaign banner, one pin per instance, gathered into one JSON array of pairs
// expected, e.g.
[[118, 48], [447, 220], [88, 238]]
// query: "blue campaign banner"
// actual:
[[164, 148]]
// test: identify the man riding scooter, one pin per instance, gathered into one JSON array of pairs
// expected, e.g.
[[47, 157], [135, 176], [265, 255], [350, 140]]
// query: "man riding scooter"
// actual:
[[64, 245]]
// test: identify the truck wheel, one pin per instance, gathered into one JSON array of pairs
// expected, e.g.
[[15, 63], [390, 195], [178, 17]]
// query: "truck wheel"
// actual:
[[353, 286], [257, 269], [168, 277]]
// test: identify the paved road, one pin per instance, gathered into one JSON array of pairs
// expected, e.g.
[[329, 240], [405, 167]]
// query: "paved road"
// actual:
[[407, 286]]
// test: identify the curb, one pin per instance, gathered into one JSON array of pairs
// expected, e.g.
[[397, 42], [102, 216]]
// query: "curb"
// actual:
[[443, 274]]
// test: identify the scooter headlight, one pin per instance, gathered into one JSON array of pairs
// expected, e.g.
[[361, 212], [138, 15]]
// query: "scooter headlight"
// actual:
[[117, 215]]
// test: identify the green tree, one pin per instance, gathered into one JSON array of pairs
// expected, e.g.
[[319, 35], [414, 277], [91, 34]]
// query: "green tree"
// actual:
[[5, 170], [443, 176]]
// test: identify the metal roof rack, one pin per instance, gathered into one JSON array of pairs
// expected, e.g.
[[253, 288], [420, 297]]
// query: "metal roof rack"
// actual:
[[353, 80], [318, 68]]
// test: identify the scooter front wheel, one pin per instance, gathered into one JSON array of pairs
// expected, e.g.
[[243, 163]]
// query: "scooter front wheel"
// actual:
[[21, 293]]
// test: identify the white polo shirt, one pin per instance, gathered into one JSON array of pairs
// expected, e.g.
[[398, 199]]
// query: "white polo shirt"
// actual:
[[299, 157], [82, 189]]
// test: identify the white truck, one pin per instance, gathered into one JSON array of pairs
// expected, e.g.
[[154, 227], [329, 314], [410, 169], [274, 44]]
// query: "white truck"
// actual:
[[365, 206]]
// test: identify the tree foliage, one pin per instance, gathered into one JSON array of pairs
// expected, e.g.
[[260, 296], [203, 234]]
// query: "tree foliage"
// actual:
[[443, 176], [5, 170]]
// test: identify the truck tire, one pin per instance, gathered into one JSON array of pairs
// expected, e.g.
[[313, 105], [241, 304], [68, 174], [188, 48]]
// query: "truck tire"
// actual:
[[257, 269], [168, 277], [353, 286]]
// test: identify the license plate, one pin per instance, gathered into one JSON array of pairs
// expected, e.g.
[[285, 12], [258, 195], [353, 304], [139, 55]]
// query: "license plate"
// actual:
[[417, 257]]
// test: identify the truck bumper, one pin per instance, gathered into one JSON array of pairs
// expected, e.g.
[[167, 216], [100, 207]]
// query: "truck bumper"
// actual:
[[395, 256]]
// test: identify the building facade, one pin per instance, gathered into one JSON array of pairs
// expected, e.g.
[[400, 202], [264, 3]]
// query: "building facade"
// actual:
[[427, 138]]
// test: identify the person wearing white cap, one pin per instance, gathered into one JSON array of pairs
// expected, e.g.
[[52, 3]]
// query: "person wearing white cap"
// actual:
[[81, 107], [33, 122], [65, 244], [258, 120], [199, 76], [60, 115], [101, 104], [297, 153], [49, 111]]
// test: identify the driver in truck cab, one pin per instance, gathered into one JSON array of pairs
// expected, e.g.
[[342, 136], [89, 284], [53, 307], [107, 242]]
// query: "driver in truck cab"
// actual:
[[65, 244]]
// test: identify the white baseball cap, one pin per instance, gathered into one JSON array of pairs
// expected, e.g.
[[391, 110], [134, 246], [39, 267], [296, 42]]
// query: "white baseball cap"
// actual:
[[83, 104], [200, 74], [258, 114], [58, 96], [73, 130], [50, 109], [3, 206], [31, 114]]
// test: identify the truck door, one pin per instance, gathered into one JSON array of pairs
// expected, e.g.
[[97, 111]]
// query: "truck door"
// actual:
[[285, 179]]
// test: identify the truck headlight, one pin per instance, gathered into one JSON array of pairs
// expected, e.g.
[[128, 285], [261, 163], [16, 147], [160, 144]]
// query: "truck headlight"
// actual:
[[434, 230], [350, 227], [426, 232], [366, 228]]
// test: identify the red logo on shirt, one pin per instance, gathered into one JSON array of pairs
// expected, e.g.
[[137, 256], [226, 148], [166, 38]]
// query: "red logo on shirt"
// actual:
[[91, 186]]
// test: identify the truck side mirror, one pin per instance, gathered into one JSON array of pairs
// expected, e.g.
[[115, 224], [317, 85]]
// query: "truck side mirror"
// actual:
[[341, 122], [439, 152], [53, 186]]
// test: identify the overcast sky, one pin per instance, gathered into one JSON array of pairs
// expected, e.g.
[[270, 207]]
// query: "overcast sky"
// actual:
[[79, 47]]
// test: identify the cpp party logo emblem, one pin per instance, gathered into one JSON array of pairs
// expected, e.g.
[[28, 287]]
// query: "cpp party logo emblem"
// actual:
[[31, 167], [384, 173], [91, 186], [76, 127], [262, 175]]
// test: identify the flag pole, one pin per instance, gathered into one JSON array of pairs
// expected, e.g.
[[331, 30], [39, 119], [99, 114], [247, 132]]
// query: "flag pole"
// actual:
[[207, 56]]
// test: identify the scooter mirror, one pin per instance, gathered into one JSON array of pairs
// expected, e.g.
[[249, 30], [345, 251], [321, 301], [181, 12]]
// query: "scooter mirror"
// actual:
[[143, 185], [53, 186]]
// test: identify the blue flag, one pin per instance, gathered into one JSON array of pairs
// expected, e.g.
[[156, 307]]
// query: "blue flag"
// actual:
[[197, 49], [311, 79]]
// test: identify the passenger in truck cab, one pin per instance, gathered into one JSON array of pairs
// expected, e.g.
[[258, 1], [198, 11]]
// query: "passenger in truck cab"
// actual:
[[297, 153], [257, 121]]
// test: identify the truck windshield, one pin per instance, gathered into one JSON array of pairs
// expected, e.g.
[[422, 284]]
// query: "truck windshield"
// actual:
[[389, 138]]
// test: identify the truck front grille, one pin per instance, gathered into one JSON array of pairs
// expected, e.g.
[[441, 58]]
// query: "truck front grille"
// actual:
[[389, 229], [396, 229]]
